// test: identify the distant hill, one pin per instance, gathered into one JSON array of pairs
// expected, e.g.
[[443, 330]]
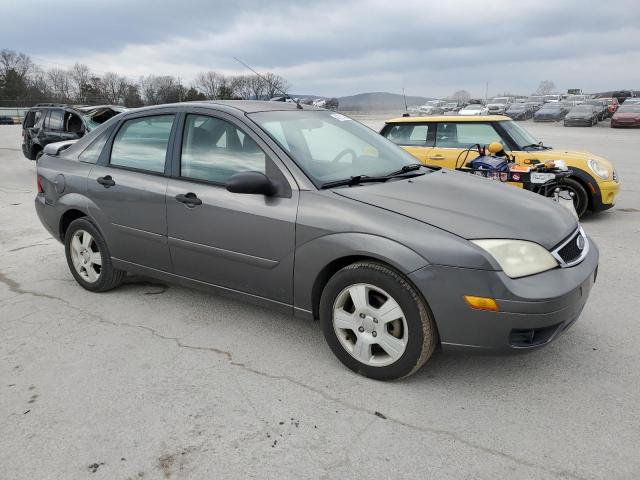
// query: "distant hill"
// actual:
[[378, 101]]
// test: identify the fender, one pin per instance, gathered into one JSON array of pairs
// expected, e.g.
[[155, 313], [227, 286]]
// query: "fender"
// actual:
[[313, 257]]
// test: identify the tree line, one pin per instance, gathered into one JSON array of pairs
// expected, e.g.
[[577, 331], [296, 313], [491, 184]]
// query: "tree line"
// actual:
[[23, 83]]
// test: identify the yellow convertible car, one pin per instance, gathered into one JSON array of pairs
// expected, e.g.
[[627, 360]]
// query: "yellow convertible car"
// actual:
[[439, 141]]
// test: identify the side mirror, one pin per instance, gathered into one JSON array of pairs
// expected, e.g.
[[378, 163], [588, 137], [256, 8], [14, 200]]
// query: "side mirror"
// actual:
[[254, 183]]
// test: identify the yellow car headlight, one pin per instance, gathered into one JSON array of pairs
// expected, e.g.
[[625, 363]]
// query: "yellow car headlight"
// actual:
[[598, 168], [518, 258]]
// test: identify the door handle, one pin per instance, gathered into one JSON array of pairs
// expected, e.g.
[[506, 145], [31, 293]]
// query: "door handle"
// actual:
[[106, 181], [437, 157], [189, 199]]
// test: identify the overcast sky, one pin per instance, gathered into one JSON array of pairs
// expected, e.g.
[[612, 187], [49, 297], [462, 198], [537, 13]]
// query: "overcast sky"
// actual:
[[430, 48]]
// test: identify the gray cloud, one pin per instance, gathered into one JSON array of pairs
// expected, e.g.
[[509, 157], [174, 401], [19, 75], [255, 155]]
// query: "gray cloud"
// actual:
[[342, 47]]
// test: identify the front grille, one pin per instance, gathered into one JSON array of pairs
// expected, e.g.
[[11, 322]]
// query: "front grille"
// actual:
[[570, 252], [615, 176]]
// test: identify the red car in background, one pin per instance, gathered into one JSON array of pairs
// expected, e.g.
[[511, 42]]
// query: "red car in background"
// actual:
[[626, 116], [613, 104]]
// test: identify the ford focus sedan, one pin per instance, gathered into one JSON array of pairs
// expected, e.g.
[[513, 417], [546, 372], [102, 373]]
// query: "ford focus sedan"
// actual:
[[308, 211]]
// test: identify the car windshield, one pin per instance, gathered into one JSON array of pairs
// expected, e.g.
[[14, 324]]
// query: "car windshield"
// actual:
[[629, 109], [520, 136], [583, 108], [473, 107], [551, 106], [330, 146]]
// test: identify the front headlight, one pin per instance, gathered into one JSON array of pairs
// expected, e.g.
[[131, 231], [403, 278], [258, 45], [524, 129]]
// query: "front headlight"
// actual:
[[599, 169], [518, 258]]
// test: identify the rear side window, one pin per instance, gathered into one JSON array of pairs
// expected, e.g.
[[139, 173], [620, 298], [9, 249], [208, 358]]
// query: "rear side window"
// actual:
[[214, 150], [93, 151], [141, 143], [55, 120], [407, 134], [465, 135]]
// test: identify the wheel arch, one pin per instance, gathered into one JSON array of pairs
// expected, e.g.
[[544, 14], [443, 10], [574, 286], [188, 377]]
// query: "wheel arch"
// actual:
[[317, 261], [587, 181], [67, 217]]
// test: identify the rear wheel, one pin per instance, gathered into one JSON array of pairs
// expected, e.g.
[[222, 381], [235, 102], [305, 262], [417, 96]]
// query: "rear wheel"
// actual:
[[375, 322], [88, 257]]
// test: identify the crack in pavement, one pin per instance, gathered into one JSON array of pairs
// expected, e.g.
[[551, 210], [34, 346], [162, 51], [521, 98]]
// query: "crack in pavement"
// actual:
[[17, 288]]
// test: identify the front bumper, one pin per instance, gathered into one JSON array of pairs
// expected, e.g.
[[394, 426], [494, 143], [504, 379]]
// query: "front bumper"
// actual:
[[577, 123], [534, 310]]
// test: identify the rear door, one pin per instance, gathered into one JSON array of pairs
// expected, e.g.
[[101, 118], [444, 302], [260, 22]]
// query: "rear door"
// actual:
[[415, 138], [127, 189], [238, 241]]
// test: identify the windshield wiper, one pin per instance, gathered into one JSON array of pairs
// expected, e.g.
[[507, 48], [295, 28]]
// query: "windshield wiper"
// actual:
[[537, 145], [404, 172]]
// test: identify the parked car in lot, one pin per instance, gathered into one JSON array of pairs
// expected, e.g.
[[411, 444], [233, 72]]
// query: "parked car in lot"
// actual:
[[550, 112], [4, 120], [519, 111], [440, 141], [632, 101], [627, 115], [612, 104], [601, 105], [451, 107], [623, 95], [582, 115], [48, 123], [474, 109], [552, 98], [498, 105], [315, 214]]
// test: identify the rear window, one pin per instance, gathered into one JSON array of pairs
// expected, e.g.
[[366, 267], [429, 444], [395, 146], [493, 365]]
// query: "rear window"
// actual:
[[55, 120], [141, 143], [93, 151]]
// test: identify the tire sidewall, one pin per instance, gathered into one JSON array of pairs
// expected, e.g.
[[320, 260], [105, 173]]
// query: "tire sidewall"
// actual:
[[107, 268], [412, 311], [581, 193]]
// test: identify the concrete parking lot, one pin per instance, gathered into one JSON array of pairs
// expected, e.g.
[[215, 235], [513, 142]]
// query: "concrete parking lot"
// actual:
[[156, 381]]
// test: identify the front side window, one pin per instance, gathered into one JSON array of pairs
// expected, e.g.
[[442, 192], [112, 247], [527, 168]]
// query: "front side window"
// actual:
[[55, 120], [408, 135], [328, 146], [465, 135], [214, 150], [141, 143]]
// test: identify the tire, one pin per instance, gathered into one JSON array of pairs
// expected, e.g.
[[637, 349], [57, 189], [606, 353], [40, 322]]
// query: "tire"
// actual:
[[410, 333], [580, 195], [92, 268], [39, 154]]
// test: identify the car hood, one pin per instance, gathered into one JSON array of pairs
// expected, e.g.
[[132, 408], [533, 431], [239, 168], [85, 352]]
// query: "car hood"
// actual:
[[579, 115], [580, 158], [626, 115], [470, 207]]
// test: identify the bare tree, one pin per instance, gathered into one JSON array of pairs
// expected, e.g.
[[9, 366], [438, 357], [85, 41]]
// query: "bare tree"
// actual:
[[60, 84], [20, 63], [275, 85], [79, 76], [461, 96], [257, 86], [210, 84], [241, 87], [114, 88], [546, 87]]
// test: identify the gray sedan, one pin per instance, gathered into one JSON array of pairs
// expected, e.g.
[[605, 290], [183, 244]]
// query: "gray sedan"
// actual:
[[312, 213]]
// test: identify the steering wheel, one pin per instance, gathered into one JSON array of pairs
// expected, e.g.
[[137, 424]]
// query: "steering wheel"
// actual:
[[343, 153]]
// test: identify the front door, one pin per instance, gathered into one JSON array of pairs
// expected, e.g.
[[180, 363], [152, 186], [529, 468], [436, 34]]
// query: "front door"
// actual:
[[238, 241], [128, 188]]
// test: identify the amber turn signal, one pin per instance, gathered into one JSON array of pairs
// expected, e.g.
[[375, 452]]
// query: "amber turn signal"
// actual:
[[481, 303]]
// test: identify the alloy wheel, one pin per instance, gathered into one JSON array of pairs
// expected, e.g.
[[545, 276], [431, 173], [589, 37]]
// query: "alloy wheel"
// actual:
[[370, 325], [85, 256]]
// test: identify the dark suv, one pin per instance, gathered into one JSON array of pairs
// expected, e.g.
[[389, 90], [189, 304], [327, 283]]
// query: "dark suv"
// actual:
[[50, 122]]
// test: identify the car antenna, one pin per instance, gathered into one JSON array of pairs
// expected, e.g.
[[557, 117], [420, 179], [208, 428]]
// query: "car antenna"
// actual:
[[405, 100], [297, 102]]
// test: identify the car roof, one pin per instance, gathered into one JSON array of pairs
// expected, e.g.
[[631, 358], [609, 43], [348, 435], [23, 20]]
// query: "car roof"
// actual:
[[449, 118], [246, 106]]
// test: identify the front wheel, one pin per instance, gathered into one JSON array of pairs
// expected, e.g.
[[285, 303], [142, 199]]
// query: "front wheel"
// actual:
[[580, 196], [375, 322], [88, 257]]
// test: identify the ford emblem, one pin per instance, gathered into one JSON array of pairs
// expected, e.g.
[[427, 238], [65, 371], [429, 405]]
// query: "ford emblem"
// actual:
[[580, 242]]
